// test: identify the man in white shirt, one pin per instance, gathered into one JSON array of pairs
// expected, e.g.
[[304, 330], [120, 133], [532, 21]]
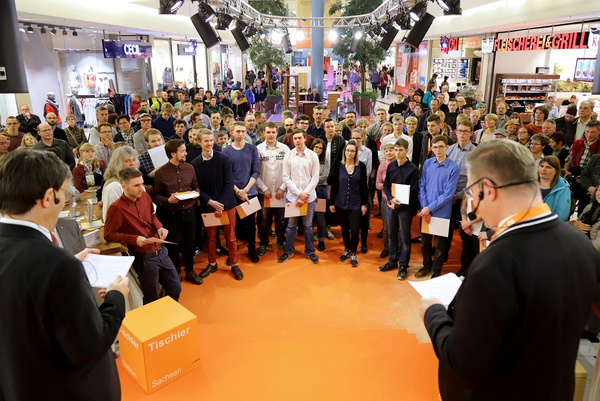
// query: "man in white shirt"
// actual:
[[398, 123], [301, 176], [271, 186], [553, 110]]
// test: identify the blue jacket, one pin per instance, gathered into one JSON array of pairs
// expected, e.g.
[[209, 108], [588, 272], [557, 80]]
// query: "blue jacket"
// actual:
[[559, 199], [438, 185]]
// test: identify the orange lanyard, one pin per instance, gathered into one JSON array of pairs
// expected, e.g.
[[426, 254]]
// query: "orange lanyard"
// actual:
[[520, 217]]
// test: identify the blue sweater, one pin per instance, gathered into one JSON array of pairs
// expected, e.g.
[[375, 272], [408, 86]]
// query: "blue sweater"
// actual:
[[559, 199], [438, 185], [245, 165], [215, 179], [164, 126]]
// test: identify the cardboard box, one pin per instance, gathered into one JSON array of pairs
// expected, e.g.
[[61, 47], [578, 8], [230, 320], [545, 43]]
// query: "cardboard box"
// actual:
[[159, 343]]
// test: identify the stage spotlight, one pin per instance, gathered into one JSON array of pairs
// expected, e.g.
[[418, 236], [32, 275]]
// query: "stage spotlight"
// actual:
[[206, 32], [240, 24], [417, 11], [403, 21], [169, 6], [417, 33], [53, 31], [355, 39], [223, 21], [388, 38], [333, 35], [287, 43], [206, 11], [453, 7], [251, 31], [240, 39]]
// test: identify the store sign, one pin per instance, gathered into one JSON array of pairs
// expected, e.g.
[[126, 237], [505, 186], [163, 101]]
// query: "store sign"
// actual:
[[560, 41], [119, 49], [449, 44], [472, 41], [487, 45], [594, 39], [186, 49]]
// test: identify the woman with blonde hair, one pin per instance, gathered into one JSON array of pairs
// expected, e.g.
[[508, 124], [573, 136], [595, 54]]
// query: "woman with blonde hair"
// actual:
[[512, 127], [487, 133], [27, 141], [122, 157], [90, 170]]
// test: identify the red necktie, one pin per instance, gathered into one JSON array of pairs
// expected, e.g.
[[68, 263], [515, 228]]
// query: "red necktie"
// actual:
[[54, 241]]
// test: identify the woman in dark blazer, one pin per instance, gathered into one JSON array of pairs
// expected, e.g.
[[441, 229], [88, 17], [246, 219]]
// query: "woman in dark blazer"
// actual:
[[349, 198]]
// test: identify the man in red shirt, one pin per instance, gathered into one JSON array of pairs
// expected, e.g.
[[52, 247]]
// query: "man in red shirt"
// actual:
[[131, 220]]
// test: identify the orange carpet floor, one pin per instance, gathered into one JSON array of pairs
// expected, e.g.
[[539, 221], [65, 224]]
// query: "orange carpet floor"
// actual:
[[299, 331]]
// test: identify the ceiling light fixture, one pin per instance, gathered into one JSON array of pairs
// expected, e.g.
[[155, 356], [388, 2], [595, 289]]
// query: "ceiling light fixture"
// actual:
[[223, 21], [53, 31], [29, 29], [417, 11], [206, 11], [169, 6], [43, 30]]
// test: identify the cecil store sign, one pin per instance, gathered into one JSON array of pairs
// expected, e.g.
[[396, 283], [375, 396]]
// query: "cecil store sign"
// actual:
[[560, 41], [119, 49]]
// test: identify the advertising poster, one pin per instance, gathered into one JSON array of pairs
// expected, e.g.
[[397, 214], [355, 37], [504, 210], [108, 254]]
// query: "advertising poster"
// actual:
[[411, 68], [585, 70]]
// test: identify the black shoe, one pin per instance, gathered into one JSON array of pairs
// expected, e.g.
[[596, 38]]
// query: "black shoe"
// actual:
[[313, 258], [353, 261], [363, 248], [380, 235], [284, 257], [387, 267], [591, 337], [423, 271], [262, 250], [228, 262], [192, 277], [210, 269], [253, 255], [237, 273], [402, 273], [272, 233], [345, 256], [321, 246], [281, 244], [384, 253], [416, 240], [434, 275], [222, 251]]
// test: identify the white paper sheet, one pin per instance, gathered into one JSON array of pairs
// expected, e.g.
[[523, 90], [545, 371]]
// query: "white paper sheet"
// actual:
[[321, 205], [186, 195], [247, 208], [444, 287], [102, 270], [437, 226], [291, 210], [401, 192], [158, 156], [274, 202], [210, 220]]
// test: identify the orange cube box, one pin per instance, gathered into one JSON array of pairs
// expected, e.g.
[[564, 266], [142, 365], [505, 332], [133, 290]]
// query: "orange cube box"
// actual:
[[159, 343]]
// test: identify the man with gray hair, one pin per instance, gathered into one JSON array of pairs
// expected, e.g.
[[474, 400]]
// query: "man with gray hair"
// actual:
[[553, 110], [102, 117], [575, 128], [503, 320]]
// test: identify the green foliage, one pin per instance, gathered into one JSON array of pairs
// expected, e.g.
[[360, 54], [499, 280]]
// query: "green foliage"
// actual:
[[571, 86], [371, 94], [367, 52], [262, 53]]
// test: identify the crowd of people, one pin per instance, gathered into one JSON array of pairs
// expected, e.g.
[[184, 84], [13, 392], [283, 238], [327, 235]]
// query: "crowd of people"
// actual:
[[230, 157]]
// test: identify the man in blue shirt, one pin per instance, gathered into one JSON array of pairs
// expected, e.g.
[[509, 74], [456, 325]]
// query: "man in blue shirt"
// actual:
[[164, 122], [436, 192]]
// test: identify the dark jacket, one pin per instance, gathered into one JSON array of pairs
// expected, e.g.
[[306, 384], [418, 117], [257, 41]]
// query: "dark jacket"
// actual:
[[241, 108], [215, 179], [29, 126], [334, 181], [337, 150]]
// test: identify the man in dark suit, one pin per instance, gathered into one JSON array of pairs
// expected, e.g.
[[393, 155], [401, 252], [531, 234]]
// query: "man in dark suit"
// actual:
[[54, 340], [512, 331]]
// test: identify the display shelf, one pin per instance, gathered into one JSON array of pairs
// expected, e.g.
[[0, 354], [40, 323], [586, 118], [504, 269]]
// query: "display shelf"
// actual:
[[525, 89]]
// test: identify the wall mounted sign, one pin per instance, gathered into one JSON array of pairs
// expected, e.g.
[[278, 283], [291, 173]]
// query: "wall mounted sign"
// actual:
[[120, 49], [560, 41]]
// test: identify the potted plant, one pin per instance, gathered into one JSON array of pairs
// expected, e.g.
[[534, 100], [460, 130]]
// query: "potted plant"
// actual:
[[274, 98], [365, 101]]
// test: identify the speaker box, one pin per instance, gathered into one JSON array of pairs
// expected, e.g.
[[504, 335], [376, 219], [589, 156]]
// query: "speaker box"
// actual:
[[12, 68], [418, 32], [240, 39], [205, 30], [388, 38]]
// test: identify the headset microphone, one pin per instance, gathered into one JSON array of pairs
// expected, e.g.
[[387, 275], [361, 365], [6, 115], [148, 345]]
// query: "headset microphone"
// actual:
[[56, 200], [473, 215]]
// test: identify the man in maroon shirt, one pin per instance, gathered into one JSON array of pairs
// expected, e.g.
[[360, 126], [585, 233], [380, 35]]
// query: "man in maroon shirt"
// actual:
[[131, 220], [179, 217]]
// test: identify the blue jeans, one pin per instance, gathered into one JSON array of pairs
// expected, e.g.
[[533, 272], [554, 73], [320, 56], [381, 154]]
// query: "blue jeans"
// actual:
[[399, 219], [290, 232], [320, 216]]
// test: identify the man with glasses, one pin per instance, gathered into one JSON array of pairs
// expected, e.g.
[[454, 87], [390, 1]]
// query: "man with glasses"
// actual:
[[102, 117], [106, 147], [139, 139], [526, 298], [48, 141], [317, 130], [288, 127], [29, 122], [12, 123], [301, 123], [126, 132], [437, 187]]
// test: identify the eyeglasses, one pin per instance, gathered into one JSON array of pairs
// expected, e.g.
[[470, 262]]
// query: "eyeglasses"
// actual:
[[438, 147], [463, 131], [145, 121], [46, 130], [469, 193]]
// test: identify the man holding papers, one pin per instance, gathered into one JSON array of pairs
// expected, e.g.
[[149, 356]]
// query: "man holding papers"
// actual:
[[55, 341], [215, 180], [271, 187], [131, 220], [512, 331], [153, 139], [178, 216], [403, 173], [436, 191], [245, 167], [301, 176]]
